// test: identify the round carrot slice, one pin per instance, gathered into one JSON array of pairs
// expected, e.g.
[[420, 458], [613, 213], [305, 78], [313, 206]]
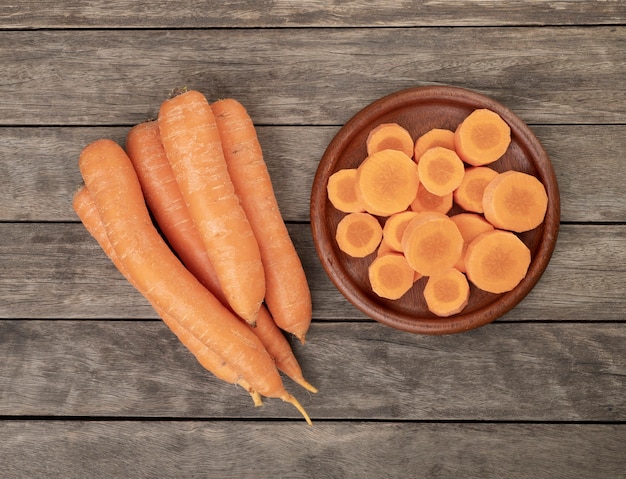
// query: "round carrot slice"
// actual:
[[482, 137], [515, 201], [389, 136], [470, 225], [386, 182], [426, 201], [358, 234], [447, 293], [469, 194], [496, 261], [432, 243], [432, 138], [394, 228], [341, 189], [440, 170], [390, 275]]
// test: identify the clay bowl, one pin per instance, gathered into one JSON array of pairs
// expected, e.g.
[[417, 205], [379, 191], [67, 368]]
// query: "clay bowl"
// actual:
[[419, 110]]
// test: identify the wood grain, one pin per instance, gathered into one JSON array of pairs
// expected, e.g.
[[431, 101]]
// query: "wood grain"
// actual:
[[341, 450], [308, 76], [309, 13], [52, 270], [38, 184], [364, 371]]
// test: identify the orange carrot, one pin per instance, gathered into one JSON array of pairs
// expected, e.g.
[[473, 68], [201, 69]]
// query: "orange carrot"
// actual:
[[469, 194], [389, 136], [358, 234], [427, 201], [390, 275], [386, 182], [341, 189], [165, 201], [440, 170], [86, 210], [432, 138], [432, 243], [482, 137], [287, 294], [515, 201], [496, 261], [470, 226], [162, 279], [447, 293], [191, 140]]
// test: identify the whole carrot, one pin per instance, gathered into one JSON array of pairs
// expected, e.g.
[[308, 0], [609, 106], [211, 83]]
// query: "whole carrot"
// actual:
[[192, 143], [85, 208], [162, 279], [165, 201], [287, 294]]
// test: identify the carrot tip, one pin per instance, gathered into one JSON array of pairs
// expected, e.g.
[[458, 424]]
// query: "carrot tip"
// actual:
[[292, 400], [256, 398], [306, 385]]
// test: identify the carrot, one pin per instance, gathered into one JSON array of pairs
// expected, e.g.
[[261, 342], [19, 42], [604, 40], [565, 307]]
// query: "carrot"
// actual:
[[191, 140], [386, 182], [427, 201], [389, 136], [279, 348], [496, 261], [440, 170], [469, 194], [482, 137], [394, 228], [162, 279], [287, 293], [86, 210], [384, 247], [432, 243], [515, 201], [390, 275], [341, 189], [358, 234], [165, 201], [470, 225], [432, 138], [447, 293]]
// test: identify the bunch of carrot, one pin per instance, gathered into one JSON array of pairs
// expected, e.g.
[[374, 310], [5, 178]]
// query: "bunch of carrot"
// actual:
[[187, 213], [397, 202]]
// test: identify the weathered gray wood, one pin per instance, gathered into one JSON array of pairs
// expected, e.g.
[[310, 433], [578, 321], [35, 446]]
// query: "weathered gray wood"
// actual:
[[364, 371], [342, 450], [58, 271], [286, 13], [308, 76], [38, 184]]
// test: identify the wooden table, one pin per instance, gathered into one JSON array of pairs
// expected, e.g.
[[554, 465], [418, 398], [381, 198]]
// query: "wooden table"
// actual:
[[93, 384]]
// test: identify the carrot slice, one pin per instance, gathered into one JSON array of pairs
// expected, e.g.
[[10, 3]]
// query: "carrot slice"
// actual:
[[469, 194], [390, 275], [515, 201], [386, 182], [358, 234], [384, 247], [447, 293], [193, 146], [390, 136], [432, 243], [496, 261], [427, 201], [432, 138], [394, 228], [470, 225], [341, 190], [482, 137], [440, 170]]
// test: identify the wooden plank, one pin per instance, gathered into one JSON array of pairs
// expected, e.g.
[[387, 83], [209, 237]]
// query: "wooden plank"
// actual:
[[342, 450], [58, 271], [38, 185], [308, 13], [364, 371], [308, 76]]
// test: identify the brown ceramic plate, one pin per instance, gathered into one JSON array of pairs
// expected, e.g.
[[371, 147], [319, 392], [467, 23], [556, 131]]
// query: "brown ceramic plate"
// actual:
[[419, 110]]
